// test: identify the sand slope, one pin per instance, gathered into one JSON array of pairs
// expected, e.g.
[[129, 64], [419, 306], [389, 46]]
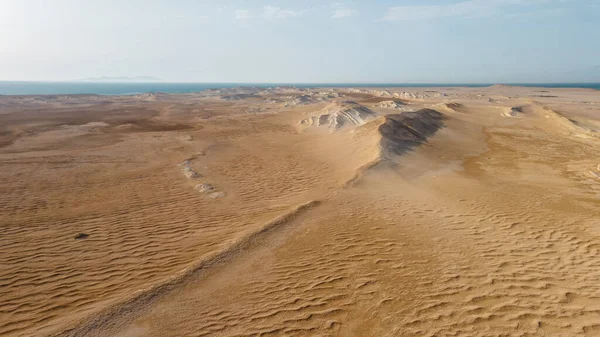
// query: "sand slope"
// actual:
[[482, 222]]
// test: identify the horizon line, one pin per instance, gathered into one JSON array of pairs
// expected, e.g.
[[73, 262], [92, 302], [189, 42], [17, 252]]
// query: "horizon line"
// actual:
[[296, 83]]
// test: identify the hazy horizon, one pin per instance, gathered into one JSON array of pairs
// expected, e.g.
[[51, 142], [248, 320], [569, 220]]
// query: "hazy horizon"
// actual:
[[377, 84], [468, 41]]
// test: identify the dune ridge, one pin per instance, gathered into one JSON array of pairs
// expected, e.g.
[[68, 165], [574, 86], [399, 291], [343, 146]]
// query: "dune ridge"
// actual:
[[402, 132], [145, 297], [397, 134]]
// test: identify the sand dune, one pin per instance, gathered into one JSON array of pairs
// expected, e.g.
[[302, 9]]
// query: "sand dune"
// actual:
[[451, 106], [475, 214], [401, 132]]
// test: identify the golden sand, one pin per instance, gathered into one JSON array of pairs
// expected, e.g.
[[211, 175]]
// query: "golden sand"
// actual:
[[445, 212]]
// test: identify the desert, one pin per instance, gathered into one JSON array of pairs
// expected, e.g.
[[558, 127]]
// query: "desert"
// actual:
[[286, 211]]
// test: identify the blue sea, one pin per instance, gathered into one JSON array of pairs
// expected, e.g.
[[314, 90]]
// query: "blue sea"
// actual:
[[70, 88]]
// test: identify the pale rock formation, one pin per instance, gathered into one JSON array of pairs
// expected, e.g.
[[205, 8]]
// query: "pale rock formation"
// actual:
[[394, 105], [216, 195], [381, 93], [188, 171], [204, 188], [299, 100], [338, 115], [512, 112], [409, 95]]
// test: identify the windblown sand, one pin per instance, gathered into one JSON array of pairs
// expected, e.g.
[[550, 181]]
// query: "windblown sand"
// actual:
[[289, 212]]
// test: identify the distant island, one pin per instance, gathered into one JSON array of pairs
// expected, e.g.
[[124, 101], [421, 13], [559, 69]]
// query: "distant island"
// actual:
[[121, 79]]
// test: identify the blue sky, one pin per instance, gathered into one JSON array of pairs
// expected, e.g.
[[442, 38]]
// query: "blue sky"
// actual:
[[302, 41]]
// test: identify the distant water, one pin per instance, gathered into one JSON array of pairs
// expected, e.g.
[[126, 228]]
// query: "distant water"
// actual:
[[63, 88]]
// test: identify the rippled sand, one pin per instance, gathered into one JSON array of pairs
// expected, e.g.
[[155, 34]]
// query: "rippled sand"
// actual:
[[467, 212]]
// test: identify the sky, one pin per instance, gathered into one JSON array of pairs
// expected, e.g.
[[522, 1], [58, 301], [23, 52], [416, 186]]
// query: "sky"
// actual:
[[294, 41]]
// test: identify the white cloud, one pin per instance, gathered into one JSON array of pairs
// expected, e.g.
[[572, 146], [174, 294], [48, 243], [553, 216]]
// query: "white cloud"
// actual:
[[269, 12], [197, 19], [465, 9], [537, 14], [343, 13], [273, 12], [242, 14]]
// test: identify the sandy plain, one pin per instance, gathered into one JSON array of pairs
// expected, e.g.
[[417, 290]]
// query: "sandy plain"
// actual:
[[301, 212]]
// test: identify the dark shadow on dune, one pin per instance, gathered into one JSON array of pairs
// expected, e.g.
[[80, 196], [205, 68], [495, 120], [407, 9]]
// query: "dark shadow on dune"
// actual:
[[401, 133]]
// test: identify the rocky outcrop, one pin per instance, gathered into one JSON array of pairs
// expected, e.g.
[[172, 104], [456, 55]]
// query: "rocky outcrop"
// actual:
[[512, 112], [381, 93], [409, 95], [394, 105], [188, 171], [339, 115], [299, 100], [204, 188]]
